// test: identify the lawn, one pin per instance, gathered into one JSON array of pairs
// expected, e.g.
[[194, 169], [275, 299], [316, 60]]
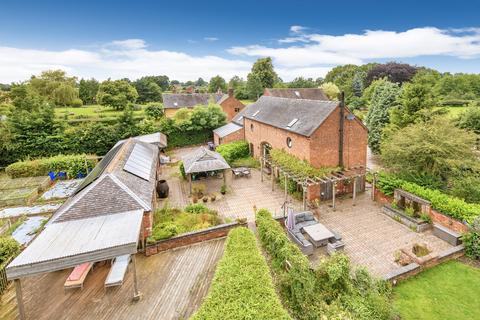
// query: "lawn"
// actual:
[[448, 291], [90, 111]]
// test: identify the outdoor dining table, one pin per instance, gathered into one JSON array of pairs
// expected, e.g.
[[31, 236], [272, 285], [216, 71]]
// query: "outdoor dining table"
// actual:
[[241, 172], [319, 234]]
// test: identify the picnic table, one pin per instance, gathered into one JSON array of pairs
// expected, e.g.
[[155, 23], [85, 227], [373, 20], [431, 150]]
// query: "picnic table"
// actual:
[[319, 234], [241, 172]]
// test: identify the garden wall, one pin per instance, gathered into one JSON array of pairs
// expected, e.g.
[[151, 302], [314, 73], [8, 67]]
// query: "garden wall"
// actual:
[[189, 238]]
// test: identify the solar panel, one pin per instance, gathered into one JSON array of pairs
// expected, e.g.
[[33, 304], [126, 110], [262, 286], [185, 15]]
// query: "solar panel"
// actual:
[[140, 162], [99, 168]]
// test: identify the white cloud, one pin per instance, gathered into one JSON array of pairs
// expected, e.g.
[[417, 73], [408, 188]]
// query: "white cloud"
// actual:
[[117, 59], [319, 50], [210, 39]]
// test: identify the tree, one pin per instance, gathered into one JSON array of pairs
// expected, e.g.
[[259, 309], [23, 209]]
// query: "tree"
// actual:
[[216, 84], [200, 82], [64, 94], [116, 94], [301, 82], [239, 87], [430, 153], [470, 118], [154, 110], [261, 76], [48, 81], [415, 103], [395, 72], [358, 83], [343, 77], [87, 90], [126, 124], [148, 90], [331, 90], [384, 97]]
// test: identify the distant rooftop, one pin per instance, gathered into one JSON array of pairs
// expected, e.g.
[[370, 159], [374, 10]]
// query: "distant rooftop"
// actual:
[[297, 93], [188, 100]]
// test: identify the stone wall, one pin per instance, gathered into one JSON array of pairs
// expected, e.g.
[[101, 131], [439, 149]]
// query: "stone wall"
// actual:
[[191, 238]]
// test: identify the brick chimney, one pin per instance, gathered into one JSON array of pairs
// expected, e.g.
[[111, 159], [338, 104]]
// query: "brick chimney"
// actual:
[[230, 92]]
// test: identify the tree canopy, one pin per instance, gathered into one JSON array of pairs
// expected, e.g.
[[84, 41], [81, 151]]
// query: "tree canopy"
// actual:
[[88, 90], [393, 71], [116, 94], [216, 84]]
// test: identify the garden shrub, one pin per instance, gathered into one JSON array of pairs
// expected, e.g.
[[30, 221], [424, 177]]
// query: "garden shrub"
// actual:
[[249, 162], [332, 291], [197, 208], [181, 167], [9, 247], [154, 110], [77, 103], [233, 150], [471, 241], [179, 138], [71, 164], [242, 287]]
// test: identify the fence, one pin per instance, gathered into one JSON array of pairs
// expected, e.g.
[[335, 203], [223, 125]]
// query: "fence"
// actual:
[[3, 276]]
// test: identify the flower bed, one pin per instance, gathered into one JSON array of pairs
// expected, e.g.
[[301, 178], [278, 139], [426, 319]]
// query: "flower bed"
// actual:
[[412, 222], [242, 287]]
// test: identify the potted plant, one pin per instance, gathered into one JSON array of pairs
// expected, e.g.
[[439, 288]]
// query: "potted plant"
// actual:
[[212, 197], [223, 189], [205, 199]]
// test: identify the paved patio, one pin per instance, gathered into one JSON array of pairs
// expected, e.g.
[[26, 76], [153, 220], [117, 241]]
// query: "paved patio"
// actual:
[[371, 237], [173, 285]]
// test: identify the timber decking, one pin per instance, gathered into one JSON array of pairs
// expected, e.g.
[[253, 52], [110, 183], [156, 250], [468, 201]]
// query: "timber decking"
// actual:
[[173, 285]]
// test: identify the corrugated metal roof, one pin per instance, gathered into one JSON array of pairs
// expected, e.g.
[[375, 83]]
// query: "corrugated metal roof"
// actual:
[[67, 244], [227, 129], [280, 112], [203, 160], [156, 138]]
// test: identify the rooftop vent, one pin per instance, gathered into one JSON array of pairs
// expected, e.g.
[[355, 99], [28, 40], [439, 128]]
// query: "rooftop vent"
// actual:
[[175, 104], [291, 123]]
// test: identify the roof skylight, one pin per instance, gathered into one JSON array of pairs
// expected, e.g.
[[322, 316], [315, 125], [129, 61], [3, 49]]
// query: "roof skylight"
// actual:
[[256, 112], [291, 123]]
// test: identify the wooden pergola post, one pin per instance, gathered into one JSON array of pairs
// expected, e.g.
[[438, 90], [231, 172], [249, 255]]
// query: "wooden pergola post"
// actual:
[[373, 186], [225, 178], [354, 190], [261, 169], [190, 183], [334, 191], [136, 293], [304, 195], [286, 187], [18, 291], [273, 178]]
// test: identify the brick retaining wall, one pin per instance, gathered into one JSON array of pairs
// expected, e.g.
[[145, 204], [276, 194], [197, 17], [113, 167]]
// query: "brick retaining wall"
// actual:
[[191, 238]]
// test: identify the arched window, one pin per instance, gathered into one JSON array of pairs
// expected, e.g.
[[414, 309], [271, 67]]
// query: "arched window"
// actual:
[[289, 142], [251, 126]]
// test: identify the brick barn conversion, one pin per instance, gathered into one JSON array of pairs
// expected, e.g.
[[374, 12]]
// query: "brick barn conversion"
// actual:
[[306, 128], [172, 102]]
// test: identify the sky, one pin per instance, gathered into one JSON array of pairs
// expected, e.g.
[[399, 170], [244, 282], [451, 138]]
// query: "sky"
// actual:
[[190, 39]]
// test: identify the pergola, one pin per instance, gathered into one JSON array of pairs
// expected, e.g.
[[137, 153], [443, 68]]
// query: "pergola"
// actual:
[[63, 245], [203, 160], [333, 178]]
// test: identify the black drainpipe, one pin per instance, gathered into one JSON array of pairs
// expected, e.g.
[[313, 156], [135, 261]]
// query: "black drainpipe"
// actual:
[[342, 124]]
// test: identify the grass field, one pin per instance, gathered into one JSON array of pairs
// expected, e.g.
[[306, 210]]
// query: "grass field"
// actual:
[[448, 291], [90, 111]]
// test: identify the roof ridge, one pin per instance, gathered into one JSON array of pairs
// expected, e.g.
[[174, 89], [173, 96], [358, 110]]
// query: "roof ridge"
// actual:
[[125, 188]]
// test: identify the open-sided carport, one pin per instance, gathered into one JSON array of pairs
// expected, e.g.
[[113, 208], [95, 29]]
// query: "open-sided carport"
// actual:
[[70, 243]]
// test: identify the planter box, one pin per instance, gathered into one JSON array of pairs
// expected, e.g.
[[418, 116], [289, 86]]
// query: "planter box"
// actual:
[[413, 223]]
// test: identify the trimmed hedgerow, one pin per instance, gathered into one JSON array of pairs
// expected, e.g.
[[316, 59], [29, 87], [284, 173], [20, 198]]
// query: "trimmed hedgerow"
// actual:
[[71, 164], [331, 291], [233, 150], [242, 287], [448, 205]]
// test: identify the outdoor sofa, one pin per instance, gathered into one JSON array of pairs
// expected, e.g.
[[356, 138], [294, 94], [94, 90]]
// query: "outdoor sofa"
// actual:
[[302, 219]]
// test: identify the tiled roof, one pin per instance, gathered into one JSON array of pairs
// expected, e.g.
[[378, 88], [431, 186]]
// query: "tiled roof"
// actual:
[[299, 93], [186, 100]]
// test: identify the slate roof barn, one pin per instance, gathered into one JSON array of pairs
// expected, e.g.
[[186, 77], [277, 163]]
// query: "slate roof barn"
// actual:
[[297, 93], [188, 100]]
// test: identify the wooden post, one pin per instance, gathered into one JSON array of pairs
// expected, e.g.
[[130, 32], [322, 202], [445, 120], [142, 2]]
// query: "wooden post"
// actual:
[[273, 178], [354, 189], [334, 187], [190, 182], [304, 197], [261, 169], [136, 294], [225, 177], [373, 186], [21, 307], [286, 189]]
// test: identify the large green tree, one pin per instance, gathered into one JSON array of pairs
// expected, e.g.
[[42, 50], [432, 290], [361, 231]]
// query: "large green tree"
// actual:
[[65, 95], [261, 76], [431, 153], [87, 90], [216, 84], [470, 118], [301, 82], [116, 94], [331, 90], [383, 99], [148, 90], [47, 86]]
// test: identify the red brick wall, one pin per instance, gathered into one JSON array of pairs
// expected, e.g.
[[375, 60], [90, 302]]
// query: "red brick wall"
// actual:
[[229, 106], [325, 143], [321, 149], [277, 138], [237, 135], [191, 238], [448, 222]]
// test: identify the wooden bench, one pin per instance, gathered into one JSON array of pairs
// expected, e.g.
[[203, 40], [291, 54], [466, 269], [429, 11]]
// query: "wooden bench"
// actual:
[[450, 236], [77, 276]]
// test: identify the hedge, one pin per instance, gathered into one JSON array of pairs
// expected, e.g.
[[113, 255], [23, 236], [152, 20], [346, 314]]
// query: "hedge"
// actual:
[[233, 150], [448, 205], [179, 138], [71, 164], [242, 287], [331, 291]]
